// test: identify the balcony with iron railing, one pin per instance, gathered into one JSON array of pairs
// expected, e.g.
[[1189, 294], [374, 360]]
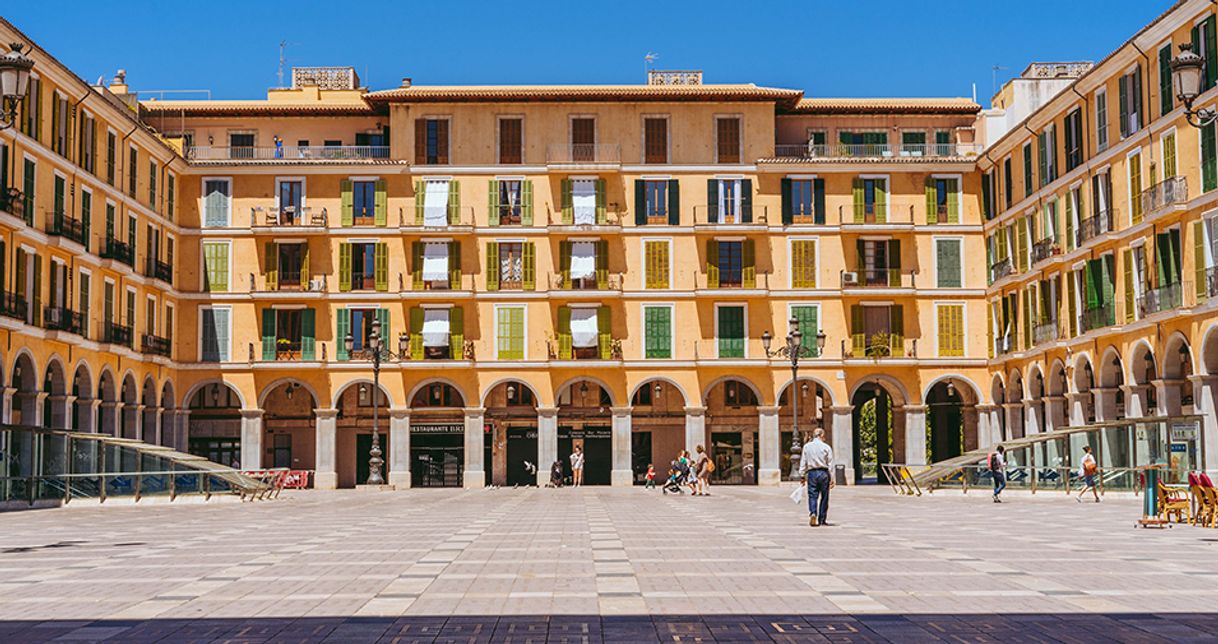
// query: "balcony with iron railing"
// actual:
[[289, 153], [1094, 226], [12, 201], [870, 214], [156, 269], [1046, 331], [14, 305], [879, 278], [805, 152], [1166, 193], [445, 218], [582, 155], [118, 251], [61, 225], [605, 282], [288, 217], [117, 334], [154, 345], [1000, 269], [60, 318], [1099, 317], [1004, 344], [1044, 249], [1164, 298], [718, 215], [1211, 282], [288, 349], [294, 281], [880, 346]]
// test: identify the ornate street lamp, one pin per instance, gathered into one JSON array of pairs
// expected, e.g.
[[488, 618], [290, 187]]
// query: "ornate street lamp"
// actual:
[[794, 349], [375, 351], [14, 83], [1187, 73]]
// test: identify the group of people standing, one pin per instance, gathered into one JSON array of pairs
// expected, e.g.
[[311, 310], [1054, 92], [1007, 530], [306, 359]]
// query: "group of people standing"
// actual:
[[685, 471]]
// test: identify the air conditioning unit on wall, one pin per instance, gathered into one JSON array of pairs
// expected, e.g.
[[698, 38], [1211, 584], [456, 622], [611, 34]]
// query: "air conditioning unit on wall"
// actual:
[[850, 279]]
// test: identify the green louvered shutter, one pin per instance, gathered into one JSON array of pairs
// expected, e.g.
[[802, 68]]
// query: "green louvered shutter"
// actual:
[[381, 266], [674, 202], [416, 333], [787, 210], [881, 201], [712, 263], [268, 334], [818, 201], [344, 266], [1021, 243], [1165, 93], [456, 332], [746, 201], [858, 331], [568, 209], [1069, 201], [1211, 52], [1209, 159], [1123, 105], [308, 331], [896, 330], [658, 331], [932, 201], [342, 327], [492, 202], [454, 203], [860, 206], [1130, 301], [564, 333], [640, 202], [416, 265], [602, 264], [601, 198], [731, 331], [948, 260], [712, 201], [492, 266], [272, 266], [526, 211], [1071, 306], [530, 266], [420, 201], [604, 327], [808, 328], [382, 203], [748, 264], [1199, 269], [953, 200], [564, 263], [348, 203], [454, 265]]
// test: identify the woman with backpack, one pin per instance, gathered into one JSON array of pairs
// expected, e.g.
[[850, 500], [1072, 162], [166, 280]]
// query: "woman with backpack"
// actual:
[[1088, 470], [703, 468]]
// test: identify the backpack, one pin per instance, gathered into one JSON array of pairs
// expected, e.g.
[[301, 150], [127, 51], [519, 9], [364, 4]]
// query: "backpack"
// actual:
[[991, 461], [1090, 468], [710, 465]]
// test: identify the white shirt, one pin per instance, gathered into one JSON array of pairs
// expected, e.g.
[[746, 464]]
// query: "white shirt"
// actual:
[[1082, 468], [816, 455], [577, 460]]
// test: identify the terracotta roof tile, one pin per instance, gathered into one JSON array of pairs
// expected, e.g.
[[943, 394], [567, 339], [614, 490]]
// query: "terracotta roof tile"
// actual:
[[884, 106], [585, 93], [256, 108]]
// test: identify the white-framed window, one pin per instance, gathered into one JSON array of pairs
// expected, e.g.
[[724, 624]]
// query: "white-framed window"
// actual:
[[949, 262], [657, 331], [1101, 120], [657, 262], [290, 194], [215, 333], [511, 332], [215, 265], [217, 202], [731, 330], [807, 316]]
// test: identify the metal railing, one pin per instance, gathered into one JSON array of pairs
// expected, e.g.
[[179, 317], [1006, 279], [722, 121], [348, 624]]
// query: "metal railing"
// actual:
[[1001, 269], [1164, 298], [1211, 281], [869, 214], [1045, 332], [1163, 194], [611, 282], [116, 334], [62, 225], [154, 345], [157, 269], [879, 278], [12, 202], [296, 281], [60, 318], [880, 346], [1044, 249], [1099, 317], [284, 217], [1094, 226], [1004, 344], [733, 215], [304, 153], [809, 151], [583, 153], [118, 251], [14, 305]]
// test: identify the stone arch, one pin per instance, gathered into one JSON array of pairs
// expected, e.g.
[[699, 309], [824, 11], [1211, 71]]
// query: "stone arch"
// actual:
[[1015, 387], [706, 392], [169, 415], [1177, 357], [25, 380], [427, 383], [289, 424], [107, 393], [668, 381], [877, 425], [191, 393], [82, 407], [970, 393], [1143, 364], [55, 386], [895, 387], [998, 389], [214, 424], [816, 381], [355, 382], [266, 391], [1055, 381], [55, 380], [1208, 358], [1112, 368], [1084, 373], [486, 393]]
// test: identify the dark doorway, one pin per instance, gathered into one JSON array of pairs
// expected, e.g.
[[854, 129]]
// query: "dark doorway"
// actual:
[[436, 460], [945, 418], [872, 426], [598, 452], [641, 457], [363, 451], [521, 449]]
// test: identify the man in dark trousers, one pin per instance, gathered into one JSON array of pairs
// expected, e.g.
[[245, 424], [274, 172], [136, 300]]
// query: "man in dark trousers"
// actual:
[[815, 463], [998, 470]]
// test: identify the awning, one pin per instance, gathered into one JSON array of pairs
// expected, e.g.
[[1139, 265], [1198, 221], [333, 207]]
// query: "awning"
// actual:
[[584, 329], [435, 327], [583, 199], [583, 259], [435, 261], [435, 204]]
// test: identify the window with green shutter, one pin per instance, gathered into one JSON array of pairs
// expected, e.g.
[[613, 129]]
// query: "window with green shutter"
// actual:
[[1165, 91], [509, 332], [657, 331], [730, 331], [214, 334], [1135, 187], [1168, 146], [807, 320], [947, 263], [1027, 169], [1209, 159]]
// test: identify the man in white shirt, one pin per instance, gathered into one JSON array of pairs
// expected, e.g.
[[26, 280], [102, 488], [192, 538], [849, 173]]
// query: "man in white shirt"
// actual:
[[814, 466]]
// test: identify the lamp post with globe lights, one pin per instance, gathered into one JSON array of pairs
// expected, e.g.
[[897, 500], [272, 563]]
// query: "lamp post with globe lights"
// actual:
[[375, 351], [794, 349]]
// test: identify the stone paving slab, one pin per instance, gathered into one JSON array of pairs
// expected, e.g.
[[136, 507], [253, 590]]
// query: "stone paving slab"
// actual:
[[602, 564]]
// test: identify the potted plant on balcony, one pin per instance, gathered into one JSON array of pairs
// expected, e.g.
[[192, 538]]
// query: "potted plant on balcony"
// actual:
[[285, 348], [879, 345]]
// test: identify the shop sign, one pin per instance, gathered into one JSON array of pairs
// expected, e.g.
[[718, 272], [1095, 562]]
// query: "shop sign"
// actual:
[[438, 429], [1184, 431]]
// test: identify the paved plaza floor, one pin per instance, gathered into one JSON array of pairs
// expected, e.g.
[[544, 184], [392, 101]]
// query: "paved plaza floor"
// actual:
[[602, 564]]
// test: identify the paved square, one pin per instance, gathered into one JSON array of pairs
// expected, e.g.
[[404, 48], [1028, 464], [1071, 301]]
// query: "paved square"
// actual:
[[600, 564]]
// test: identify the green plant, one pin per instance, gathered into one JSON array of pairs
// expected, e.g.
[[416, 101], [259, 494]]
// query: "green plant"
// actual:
[[879, 345]]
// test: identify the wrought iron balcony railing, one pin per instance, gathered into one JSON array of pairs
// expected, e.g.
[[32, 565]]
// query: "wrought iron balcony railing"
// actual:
[[1046, 331], [116, 334], [288, 153], [154, 345], [1099, 317], [1164, 298], [878, 278], [118, 251], [1044, 249], [1001, 269], [907, 151], [62, 225], [584, 153], [14, 305], [59, 318], [1163, 194], [1094, 226], [157, 269]]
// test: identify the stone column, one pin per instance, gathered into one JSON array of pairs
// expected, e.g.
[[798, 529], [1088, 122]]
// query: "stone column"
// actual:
[[623, 471], [1078, 408], [695, 427], [1137, 401], [1170, 394], [1105, 404], [6, 407], [136, 415], [841, 427], [915, 434], [61, 411], [88, 416], [1205, 404], [1031, 417], [1055, 413], [325, 474], [1013, 412], [769, 447], [109, 417], [157, 415], [399, 448], [547, 442], [475, 475], [985, 428], [181, 430], [251, 439]]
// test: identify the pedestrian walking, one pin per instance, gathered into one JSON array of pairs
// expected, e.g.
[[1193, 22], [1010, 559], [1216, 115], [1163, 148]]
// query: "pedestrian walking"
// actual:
[[814, 466], [577, 466], [702, 468], [651, 477], [998, 470], [1088, 470]]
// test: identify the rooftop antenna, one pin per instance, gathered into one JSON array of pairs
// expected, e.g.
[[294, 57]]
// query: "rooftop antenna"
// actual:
[[648, 61], [994, 77]]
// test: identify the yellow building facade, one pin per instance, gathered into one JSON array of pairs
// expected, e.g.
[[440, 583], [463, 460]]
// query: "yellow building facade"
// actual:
[[587, 266]]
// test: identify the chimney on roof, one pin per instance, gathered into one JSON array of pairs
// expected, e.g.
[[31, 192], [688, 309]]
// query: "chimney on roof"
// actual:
[[119, 84], [406, 82]]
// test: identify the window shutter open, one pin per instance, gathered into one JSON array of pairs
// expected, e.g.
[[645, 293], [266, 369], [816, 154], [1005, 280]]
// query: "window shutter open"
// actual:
[[420, 200], [640, 202], [712, 201], [454, 203], [268, 334], [932, 202], [416, 265], [420, 141], [602, 264], [454, 265], [1130, 302], [564, 262], [1123, 103], [953, 201], [746, 201], [416, 333], [492, 266], [344, 266], [818, 201], [881, 201], [564, 333], [601, 198], [712, 263], [382, 203], [348, 203], [604, 324], [674, 202], [858, 192], [568, 209], [858, 331], [456, 332], [1199, 269], [749, 264], [342, 327], [787, 211], [529, 266], [896, 326], [272, 266], [381, 266], [526, 198], [308, 332]]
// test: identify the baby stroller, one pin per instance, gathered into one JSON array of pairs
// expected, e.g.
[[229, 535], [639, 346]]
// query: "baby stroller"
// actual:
[[556, 474], [678, 475]]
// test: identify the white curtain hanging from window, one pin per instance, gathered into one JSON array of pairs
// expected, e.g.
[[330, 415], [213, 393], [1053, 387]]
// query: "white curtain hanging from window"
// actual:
[[583, 200], [435, 327], [584, 328], [435, 204], [583, 259], [435, 261], [729, 199]]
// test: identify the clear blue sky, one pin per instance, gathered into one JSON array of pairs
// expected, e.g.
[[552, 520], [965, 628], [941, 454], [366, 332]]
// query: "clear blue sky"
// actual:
[[850, 48]]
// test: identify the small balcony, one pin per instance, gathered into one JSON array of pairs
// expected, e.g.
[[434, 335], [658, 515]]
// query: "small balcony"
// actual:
[[154, 345], [807, 152], [118, 251], [14, 305], [1004, 344], [289, 217], [59, 318], [1001, 269], [156, 269], [870, 214], [583, 155], [289, 153], [1164, 298], [881, 346], [602, 283], [1099, 317], [1044, 249], [1211, 282], [878, 278], [1094, 226], [117, 334], [1046, 331], [62, 225], [288, 349], [293, 281], [713, 215], [1166, 193], [12, 202]]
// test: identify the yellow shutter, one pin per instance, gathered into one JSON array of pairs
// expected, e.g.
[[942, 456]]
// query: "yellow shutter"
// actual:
[[1135, 188], [656, 253], [803, 263], [951, 330]]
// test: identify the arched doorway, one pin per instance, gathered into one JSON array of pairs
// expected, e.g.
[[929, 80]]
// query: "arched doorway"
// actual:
[[813, 405], [1036, 395], [214, 428], [354, 437], [289, 426], [732, 431], [55, 386], [437, 436], [875, 428], [511, 416], [1177, 370], [1016, 426], [584, 420], [1112, 380], [169, 417], [951, 419], [107, 392], [1084, 384], [128, 416], [998, 416], [82, 408], [149, 423], [1144, 371], [658, 427], [25, 401]]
